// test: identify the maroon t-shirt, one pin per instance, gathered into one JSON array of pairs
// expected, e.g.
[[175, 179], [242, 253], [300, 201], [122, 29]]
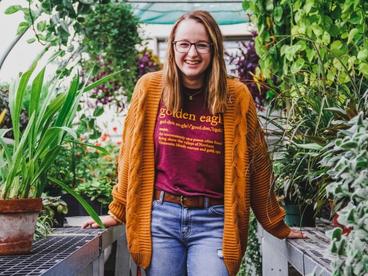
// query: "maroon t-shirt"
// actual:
[[189, 149]]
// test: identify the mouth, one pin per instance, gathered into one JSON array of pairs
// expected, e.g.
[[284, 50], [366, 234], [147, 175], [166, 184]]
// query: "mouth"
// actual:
[[192, 62]]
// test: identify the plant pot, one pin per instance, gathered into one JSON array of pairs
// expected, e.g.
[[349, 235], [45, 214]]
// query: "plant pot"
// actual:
[[18, 220], [300, 216]]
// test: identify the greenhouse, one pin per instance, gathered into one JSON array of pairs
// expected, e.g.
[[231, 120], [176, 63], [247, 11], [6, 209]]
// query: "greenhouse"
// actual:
[[186, 137]]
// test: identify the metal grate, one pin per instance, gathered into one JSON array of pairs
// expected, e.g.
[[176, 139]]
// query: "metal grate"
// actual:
[[46, 253]]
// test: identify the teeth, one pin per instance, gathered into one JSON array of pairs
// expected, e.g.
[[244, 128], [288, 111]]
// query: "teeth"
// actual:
[[192, 62]]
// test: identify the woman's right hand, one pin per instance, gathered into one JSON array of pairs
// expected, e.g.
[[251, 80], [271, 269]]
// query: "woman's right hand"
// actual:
[[106, 220]]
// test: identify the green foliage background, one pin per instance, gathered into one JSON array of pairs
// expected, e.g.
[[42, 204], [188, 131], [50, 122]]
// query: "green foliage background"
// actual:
[[328, 39], [102, 34], [314, 55]]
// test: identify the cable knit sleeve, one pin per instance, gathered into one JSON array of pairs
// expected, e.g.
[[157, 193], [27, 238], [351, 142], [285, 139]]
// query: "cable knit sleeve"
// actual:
[[117, 208], [263, 199]]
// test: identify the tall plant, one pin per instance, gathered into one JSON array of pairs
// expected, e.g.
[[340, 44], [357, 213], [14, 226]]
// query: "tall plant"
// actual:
[[310, 123], [25, 159]]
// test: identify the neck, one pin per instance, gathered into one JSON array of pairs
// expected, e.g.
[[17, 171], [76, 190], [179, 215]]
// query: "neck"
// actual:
[[196, 83]]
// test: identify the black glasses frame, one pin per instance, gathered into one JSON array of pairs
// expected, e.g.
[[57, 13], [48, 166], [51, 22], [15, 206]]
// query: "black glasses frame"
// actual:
[[192, 44]]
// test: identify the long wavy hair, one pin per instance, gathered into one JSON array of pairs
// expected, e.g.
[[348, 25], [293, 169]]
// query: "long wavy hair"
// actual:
[[215, 85]]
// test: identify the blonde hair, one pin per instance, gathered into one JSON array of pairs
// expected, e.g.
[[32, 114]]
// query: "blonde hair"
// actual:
[[215, 86]]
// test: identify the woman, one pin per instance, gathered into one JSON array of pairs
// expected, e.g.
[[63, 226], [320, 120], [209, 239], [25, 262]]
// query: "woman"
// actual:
[[192, 162]]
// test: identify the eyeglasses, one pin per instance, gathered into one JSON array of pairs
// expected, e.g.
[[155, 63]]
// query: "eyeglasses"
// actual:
[[183, 46]]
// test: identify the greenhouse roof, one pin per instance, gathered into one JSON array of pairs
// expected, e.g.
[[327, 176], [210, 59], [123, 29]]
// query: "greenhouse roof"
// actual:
[[225, 12]]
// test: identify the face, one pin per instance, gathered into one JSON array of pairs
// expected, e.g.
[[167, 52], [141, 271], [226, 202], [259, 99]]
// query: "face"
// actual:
[[192, 63]]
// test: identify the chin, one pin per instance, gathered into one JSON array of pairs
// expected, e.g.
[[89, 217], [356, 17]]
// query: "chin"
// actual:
[[193, 73]]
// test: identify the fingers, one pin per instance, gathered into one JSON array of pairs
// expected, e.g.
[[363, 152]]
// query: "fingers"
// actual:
[[85, 225], [297, 234], [106, 220], [90, 224]]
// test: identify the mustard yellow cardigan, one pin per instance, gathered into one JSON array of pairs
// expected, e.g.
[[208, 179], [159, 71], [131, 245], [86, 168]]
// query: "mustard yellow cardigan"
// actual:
[[247, 177]]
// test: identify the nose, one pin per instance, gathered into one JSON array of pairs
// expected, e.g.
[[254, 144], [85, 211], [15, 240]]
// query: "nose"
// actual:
[[192, 51]]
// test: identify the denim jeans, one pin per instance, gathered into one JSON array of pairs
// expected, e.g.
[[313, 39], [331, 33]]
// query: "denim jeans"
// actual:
[[186, 241]]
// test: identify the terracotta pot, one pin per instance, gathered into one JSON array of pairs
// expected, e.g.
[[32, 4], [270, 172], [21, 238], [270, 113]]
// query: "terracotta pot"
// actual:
[[18, 219]]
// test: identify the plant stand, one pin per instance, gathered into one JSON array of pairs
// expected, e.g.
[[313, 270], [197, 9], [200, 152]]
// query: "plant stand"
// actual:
[[67, 251]]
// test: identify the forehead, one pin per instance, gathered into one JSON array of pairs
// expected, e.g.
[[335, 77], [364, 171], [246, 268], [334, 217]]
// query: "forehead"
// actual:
[[191, 30]]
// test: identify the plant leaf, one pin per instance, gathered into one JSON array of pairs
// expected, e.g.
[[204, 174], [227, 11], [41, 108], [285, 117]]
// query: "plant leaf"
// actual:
[[310, 146], [80, 199], [13, 9]]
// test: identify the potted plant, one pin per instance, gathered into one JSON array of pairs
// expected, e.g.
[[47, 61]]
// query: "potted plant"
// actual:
[[26, 157], [310, 123]]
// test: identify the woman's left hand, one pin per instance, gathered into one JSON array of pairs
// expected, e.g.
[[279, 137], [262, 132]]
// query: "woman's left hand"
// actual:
[[296, 234]]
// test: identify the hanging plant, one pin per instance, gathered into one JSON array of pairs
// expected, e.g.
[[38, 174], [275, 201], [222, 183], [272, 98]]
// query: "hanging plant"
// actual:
[[110, 36]]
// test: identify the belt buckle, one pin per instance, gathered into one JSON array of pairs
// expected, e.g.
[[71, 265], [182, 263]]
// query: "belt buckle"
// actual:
[[181, 198]]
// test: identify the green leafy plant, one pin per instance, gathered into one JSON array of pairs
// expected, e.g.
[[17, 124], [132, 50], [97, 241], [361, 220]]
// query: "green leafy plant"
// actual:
[[53, 207], [302, 46], [101, 34], [346, 159], [100, 175], [96, 191], [317, 53], [110, 35], [88, 171], [329, 37], [24, 160], [300, 134]]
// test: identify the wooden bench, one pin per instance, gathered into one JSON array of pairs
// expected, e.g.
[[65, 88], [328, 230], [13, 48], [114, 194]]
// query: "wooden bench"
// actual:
[[305, 255]]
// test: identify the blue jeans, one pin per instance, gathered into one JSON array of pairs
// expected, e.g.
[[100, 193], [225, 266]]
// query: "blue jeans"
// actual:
[[186, 241]]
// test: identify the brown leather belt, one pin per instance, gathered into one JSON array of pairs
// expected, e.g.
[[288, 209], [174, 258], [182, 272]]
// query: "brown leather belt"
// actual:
[[188, 201]]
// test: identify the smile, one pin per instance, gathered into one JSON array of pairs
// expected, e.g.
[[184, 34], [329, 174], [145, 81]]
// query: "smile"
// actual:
[[192, 62]]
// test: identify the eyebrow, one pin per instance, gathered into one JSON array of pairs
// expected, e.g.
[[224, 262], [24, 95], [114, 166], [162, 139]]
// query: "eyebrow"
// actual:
[[193, 42]]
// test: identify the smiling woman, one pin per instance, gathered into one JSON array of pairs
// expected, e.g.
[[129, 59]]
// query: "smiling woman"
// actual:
[[193, 161]]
